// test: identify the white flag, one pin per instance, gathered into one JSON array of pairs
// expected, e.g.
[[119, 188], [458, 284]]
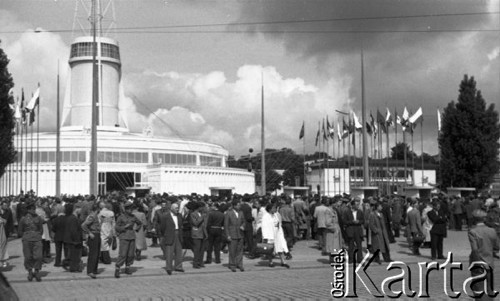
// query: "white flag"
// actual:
[[357, 124], [439, 120], [415, 117], [34, 100]]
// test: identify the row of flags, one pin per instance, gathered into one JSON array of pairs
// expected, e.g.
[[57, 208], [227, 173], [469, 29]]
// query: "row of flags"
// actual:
[[374, 125], [22, 110]]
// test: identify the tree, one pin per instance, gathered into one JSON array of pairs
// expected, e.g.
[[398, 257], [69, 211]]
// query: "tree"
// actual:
[[398, 152], [469, 139], [7, 151]]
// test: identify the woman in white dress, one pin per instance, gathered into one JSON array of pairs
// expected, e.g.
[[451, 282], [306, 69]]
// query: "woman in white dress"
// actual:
[[107, 220], [427, 224], [272, 232]]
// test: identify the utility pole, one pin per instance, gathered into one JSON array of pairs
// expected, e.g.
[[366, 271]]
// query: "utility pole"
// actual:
[[95, 95]]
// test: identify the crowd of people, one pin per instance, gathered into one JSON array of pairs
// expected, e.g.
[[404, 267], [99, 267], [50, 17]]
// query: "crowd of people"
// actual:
[[240, 225]]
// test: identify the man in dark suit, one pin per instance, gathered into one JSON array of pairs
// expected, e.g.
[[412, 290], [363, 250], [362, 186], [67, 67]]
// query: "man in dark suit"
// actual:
[[234, 224], [73, 238], [353, 220], [438, 230], [215, 224], [198, 229], [58, 224], [414, 225], [168, 226], [386, 211], [246, 209]]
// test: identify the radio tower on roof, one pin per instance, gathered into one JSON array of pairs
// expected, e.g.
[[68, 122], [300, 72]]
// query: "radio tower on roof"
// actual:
[[105, 19], [77, 112]]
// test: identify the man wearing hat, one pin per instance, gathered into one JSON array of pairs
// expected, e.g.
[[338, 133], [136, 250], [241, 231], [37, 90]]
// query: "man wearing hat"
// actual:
[[31, 229], [126, 233], [438, 230], [484, 242]]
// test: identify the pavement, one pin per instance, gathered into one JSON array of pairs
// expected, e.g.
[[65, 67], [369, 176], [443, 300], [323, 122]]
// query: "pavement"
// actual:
[[309, 277]]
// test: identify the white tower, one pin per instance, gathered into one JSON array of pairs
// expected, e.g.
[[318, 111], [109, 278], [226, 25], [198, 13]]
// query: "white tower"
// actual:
[[77, 113]]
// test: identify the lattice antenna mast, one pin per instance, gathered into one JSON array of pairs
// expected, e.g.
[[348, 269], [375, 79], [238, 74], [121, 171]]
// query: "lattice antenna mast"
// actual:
[[104, 19]]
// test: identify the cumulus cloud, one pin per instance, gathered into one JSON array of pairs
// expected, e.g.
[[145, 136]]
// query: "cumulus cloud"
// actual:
[[209, 107], [401, 67], [34, 60], [494, 53]]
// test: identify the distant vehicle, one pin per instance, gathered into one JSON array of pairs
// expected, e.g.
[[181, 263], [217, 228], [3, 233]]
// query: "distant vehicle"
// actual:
[[7, 293]]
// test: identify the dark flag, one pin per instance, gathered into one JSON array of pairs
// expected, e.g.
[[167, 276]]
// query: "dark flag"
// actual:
[[345, 129], [317, 138], [325, 136], [368, 129], [301, 135], [381, 121], [23, 109]]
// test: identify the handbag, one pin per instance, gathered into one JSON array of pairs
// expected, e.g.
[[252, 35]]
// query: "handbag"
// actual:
[[418, 238], [114, 244], [264, 248]]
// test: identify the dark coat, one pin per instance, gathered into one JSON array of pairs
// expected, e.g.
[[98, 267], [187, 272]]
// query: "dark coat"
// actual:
[[215, 219], [233, 223], [9, 224], [397, 213], [198, 226], [439, 222], [73, 230], [414, 221], [247, 214], [380, 238], [353, 229], [58, 227], [165, 226]]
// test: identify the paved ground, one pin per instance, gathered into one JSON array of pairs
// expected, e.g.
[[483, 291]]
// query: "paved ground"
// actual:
[[309, 277]]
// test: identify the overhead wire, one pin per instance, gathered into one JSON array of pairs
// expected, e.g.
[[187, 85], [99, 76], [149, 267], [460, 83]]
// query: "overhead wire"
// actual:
[[144, 29]]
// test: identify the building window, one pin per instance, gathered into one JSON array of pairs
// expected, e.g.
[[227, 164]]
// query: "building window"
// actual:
[[210, 161]]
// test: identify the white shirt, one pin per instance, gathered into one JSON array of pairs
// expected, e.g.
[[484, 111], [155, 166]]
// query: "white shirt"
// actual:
[[236, 212], [354, 214], [174, 217]]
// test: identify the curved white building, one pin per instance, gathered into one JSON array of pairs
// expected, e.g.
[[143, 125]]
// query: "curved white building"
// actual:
[[125, 160]]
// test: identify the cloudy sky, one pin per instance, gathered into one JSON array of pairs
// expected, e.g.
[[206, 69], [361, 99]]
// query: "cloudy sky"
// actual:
[[197, 64]]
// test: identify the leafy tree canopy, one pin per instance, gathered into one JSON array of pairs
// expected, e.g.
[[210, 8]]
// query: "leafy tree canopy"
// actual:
[[469, 139], [7, 151]]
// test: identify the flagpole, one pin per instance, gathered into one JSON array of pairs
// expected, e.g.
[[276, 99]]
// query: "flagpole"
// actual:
[[304, 153], [349, 154], [31, 153], [16, 188], [439, 149], [21, 148], [58, 139], [38, 142], [94, 121], [422, 147], [387, 157], [327, 165], [412, 156], [338, 160], [263, 148], [343, 157], [26, 156], [404, 156]]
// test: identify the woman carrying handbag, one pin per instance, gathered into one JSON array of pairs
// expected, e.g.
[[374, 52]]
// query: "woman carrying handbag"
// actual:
[[273, 233]]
